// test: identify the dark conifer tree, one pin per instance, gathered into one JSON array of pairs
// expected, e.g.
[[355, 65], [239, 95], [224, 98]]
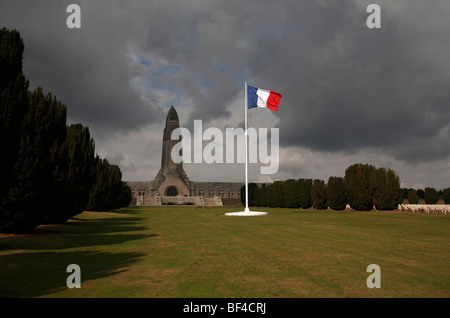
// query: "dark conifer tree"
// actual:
[[270, 196], [413, 197], [252, 188], [278, 199], [377, 185], [404, 193], [243, 195], [41, 167], [386, 192], [257, 196], [319, 194], [305, 186], [421, 193], [124, 196], [263, 195], [431, 195], [291, 195], [108, 192], [13, 106], [393, 194], [49, 172], [336, 193], [78, 153], [446, 195], [357, 186], [98, 194]]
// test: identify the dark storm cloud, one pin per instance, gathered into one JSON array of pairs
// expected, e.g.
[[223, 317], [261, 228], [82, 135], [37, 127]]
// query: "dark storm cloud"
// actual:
[[201, 38], [345, 87], [85, 68]]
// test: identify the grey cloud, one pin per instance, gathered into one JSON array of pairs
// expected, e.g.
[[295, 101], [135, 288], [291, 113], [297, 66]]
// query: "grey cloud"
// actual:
[[345, 87], [86, 68]]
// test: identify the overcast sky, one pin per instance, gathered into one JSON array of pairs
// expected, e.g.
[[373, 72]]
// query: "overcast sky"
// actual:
[[350, 94]]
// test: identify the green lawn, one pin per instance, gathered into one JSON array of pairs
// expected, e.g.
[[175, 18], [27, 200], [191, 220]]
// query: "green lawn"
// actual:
[[188, 252]]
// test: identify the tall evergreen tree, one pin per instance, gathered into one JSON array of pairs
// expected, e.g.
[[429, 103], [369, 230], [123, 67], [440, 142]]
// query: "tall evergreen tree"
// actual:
[[336, 193], [377, 185], [263, 195], [242, 197], [13, 107], [79, 151], [319, 194], [386, 192], [270, 196], [304, 189], [257, 196], [291, 193], [277, 195], [41, 167], [124, 196], [252, 188], [393, 194], [421, 193], [431, 195], [404, 193], [357, 186], [108, 191], [413, 197], [446, 195], [49, 172], [98, 195]]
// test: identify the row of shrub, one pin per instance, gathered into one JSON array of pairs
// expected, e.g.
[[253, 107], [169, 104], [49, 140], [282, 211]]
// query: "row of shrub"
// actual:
[[429, 195], [49, 169], [362, 187]]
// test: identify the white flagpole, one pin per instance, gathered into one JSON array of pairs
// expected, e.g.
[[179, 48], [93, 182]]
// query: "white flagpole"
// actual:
[[246, 151], [247, 211]]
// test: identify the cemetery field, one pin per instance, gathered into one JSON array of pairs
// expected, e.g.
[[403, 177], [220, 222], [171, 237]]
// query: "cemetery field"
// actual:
[[184, 252]]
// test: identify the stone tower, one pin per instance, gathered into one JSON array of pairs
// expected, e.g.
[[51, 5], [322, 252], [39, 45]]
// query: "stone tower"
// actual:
[[171, 179]]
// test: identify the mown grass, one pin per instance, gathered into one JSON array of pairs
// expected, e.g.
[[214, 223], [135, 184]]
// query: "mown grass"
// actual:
[[188, 252]]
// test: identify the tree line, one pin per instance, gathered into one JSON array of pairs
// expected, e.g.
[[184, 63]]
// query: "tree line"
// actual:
[[363, 187], [49, 169], [429, 195]]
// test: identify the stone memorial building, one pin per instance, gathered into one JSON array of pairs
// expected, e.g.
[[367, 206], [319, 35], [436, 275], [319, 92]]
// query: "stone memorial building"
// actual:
[[172, 185]]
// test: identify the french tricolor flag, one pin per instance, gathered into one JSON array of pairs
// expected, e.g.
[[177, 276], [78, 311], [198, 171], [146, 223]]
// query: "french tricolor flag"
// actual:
[[262, 98]]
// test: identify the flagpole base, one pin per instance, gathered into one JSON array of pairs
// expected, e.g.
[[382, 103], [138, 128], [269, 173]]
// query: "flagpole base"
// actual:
[[247, 212]]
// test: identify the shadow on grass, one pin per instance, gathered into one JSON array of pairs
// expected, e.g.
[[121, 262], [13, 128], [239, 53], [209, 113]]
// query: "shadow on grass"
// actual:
[[83, 233], [107, 225], [70, 241], [43, 273], [130, 210], [34, 264]]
